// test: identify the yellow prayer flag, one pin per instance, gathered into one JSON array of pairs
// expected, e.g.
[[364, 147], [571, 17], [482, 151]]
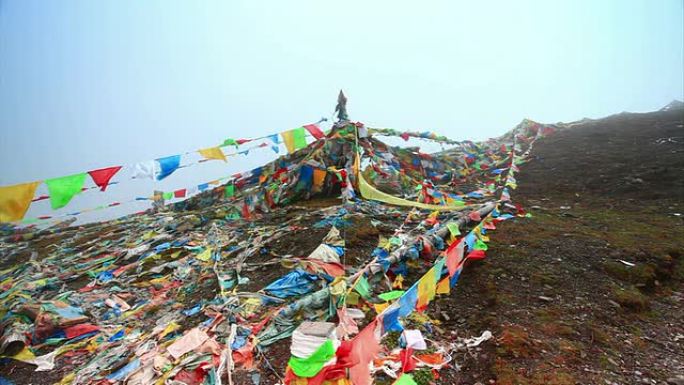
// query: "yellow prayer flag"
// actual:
[[205, 255], [426, 289], [379, 307], [212, 153], [15, 201]]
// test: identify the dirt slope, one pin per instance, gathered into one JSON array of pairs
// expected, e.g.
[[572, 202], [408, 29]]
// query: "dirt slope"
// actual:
[[563, 307]]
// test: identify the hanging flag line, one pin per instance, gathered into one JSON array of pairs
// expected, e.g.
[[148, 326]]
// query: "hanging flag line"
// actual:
[[16, 199], [180, 193]]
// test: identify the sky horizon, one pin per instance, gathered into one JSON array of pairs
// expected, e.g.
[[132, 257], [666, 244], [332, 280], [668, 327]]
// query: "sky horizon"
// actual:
[[100, 84]]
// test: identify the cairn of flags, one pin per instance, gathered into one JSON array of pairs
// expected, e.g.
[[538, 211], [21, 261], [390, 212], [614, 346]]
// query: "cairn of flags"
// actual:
[[126, 324]]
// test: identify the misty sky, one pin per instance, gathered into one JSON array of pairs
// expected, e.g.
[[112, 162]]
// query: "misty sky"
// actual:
[[90, 84]]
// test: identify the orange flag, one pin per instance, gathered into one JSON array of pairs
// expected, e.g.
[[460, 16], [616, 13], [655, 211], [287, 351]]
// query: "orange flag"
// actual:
[[443, 286], [15, 201], [318, 179]]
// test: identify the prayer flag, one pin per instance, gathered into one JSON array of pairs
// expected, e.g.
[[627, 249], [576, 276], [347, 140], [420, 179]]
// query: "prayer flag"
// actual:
[[179, 193], [454, 256], [362, 287], [15, 200], [294, 139], [212, 153], [310, 366], [405, 379], [407, 302], [426, 289], [443, 286], [230, 142], [365, 346], [229, 191], [318, 179], [64, 188], [167, 166], [144, 170], [315, 131], [102, 176]]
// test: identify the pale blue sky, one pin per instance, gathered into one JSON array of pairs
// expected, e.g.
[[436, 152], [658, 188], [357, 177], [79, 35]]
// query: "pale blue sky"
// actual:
[[88, 84]]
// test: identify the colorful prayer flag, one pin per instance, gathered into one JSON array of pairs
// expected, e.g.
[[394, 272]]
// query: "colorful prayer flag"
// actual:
[[294, 139], [167, 166], [212, 153], [15, 200], [64, 188], [454, 256], [102, 176], [144, 170], [315, 131]]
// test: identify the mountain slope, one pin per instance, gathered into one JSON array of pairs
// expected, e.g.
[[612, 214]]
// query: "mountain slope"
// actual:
[[562, 305]]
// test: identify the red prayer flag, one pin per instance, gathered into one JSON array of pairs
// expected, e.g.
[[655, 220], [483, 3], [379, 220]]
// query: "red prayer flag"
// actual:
[[477, 254], [474, 216], [364, 348], [179, 193], [79, 330], [314, 131], [102, 176], [408, 362], [454, 256]]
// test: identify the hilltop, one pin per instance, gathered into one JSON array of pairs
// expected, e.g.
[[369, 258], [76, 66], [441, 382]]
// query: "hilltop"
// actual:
[[586, 289]]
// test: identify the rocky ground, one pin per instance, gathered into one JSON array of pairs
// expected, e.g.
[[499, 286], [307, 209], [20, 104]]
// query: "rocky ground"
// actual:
[[590, 289]]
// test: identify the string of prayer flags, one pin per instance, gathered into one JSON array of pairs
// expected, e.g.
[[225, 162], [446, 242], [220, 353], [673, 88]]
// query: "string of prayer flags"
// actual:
[[294, 139], [276, 141], [167, 166], [212, 153], [102, 176], [315, 131], [15, 201], [63, 189]]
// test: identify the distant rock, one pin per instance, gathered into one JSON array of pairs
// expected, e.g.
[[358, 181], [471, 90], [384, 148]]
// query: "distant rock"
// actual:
[[673, 105]]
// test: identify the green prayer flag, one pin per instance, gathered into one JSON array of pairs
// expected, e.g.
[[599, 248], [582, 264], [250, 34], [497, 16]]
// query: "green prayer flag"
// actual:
[[229, 191], [363, 287], [299, 137], [310, 366], [453, 229], [480, 245], [390, 295], [167, 195], [230, 142], [64, 188], [405, 379]]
